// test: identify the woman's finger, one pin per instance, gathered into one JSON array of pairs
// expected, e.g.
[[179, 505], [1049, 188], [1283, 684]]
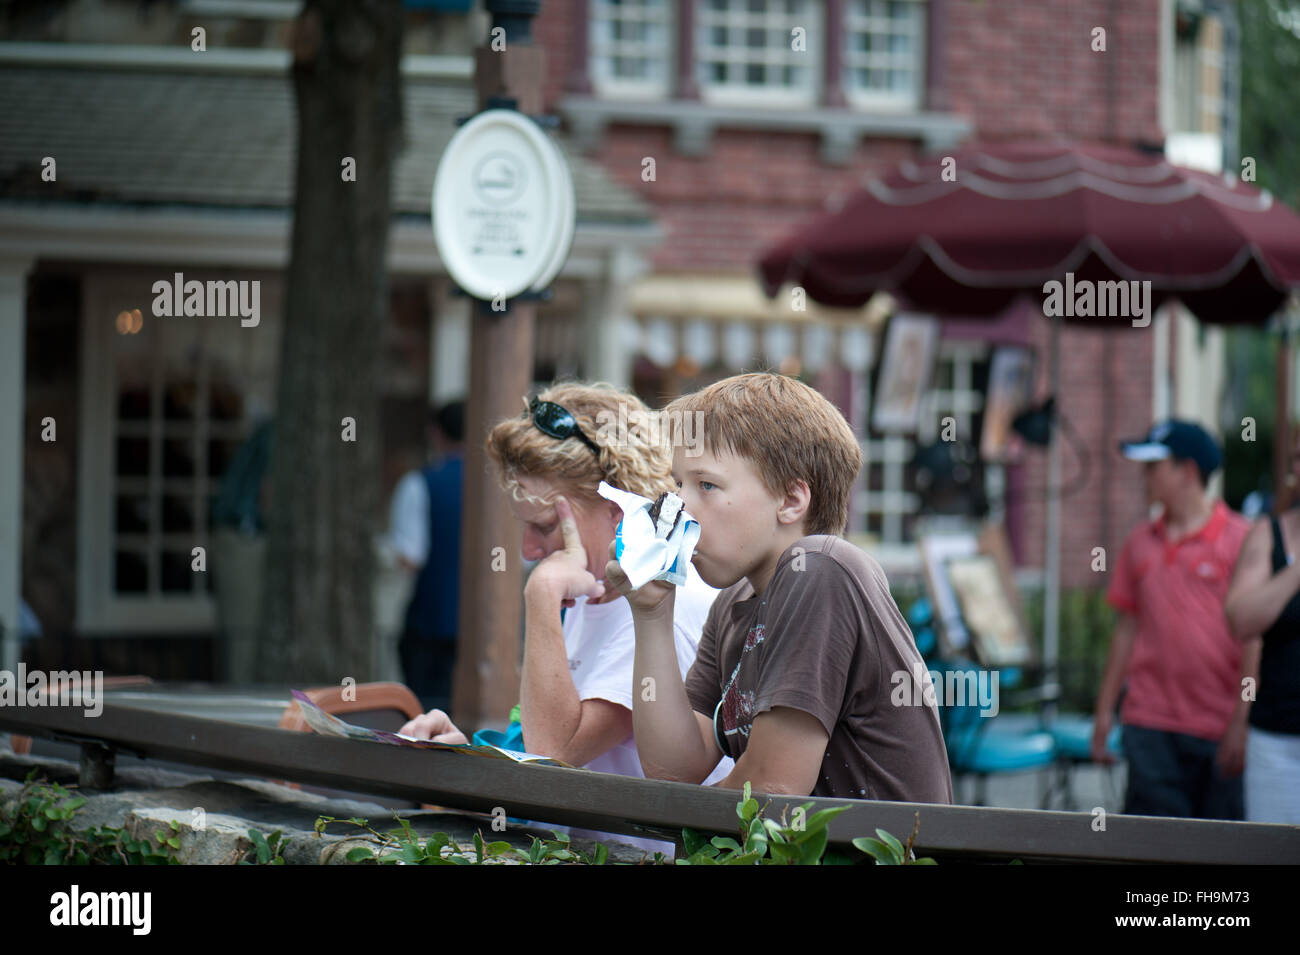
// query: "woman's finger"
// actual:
[[572, 540]]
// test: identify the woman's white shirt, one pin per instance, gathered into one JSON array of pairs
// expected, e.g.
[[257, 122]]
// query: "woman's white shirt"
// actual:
[[600, 643]]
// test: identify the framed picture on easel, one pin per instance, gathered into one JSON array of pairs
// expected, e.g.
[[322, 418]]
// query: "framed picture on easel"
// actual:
[[976, 604], [906, 367]]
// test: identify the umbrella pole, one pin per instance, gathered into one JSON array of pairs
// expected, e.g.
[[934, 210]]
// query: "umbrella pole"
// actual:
[[1284, 494], [1052, 557]]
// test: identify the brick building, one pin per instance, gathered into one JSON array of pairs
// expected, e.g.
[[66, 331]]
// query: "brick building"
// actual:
[[697, 133], [749, 139]]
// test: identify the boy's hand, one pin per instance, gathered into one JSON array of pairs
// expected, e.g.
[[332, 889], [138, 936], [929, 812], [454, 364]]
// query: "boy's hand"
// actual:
[[653, 598], [1100, 733], [564, 573], [1230, 757], [435, 725]]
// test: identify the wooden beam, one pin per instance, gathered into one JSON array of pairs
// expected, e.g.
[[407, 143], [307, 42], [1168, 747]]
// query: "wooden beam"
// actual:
[[623, 804], [486, 683]]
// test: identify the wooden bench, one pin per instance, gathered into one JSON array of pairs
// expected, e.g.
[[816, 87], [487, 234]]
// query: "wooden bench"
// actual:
[[629, 806]]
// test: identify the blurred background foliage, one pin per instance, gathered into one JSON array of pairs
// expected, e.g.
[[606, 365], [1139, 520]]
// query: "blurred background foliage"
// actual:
[[1270, 89], [1270, 135]]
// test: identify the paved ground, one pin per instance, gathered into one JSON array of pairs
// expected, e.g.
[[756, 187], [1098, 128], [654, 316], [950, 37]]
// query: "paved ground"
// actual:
[[1092, 786]]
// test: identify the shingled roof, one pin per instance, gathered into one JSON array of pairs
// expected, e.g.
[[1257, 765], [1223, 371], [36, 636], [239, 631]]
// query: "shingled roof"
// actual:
[[213, 138]]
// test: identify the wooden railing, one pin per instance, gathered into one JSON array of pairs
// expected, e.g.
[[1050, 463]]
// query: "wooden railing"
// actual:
[[625, 805]]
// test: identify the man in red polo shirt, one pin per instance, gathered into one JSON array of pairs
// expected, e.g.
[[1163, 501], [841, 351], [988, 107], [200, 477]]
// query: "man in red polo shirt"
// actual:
[[1172, 646]]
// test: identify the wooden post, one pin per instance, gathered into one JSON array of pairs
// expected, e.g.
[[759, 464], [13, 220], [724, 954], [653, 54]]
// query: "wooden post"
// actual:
[[486, 683]]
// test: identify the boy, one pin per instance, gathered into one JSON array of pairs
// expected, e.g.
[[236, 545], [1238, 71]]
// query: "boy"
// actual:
[[800, 652], [1183, 719]]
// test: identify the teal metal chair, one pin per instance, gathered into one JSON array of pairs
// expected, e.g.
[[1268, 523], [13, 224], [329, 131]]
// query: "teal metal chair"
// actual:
[[1013, 741], [981, 746]]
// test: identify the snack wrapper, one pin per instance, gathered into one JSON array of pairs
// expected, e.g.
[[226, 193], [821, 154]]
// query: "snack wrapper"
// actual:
[[640, 551]]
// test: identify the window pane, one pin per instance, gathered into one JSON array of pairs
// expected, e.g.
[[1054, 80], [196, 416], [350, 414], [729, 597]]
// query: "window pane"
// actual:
[[178, 458], [177, 515], [179, 400], [133, 456], [177, 577], [629, 42], [220, 454], [225, 403], [133, 404], [131, 515], [883, 49], [130, 573], [748, 45]]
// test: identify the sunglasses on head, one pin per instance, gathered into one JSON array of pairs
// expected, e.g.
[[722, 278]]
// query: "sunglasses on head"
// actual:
[[558, 422]]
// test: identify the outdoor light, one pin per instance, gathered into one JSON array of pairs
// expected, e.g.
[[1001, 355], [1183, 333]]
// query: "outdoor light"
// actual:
[[1035, 424]]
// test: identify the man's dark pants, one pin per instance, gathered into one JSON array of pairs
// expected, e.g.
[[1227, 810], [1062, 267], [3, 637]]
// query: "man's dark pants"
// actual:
[[1173, 774], [427, 665]]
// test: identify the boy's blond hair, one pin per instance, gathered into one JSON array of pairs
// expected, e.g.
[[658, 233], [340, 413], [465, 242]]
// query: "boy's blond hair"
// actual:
[[788, 431], [637, 459]]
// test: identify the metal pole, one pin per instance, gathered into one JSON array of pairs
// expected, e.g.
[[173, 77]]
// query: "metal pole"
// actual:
[[1283, 493], [1052, 557]]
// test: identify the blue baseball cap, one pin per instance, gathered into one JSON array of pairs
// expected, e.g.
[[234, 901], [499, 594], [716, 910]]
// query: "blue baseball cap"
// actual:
[[1176, 439]]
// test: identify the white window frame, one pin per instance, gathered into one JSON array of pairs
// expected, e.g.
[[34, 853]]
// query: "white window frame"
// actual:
[[811, 59], [894, 452], [854, 23], [101, 611], [600, 52]]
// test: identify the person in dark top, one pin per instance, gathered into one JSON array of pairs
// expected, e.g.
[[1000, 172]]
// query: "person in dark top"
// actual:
[[425, 533], [1264, 601]]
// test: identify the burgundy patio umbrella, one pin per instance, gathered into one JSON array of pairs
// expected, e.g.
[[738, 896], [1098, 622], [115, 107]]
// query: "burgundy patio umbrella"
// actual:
[[965, 234]]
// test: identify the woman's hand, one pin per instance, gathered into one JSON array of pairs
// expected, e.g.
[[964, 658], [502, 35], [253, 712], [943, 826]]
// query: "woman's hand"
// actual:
[[653, 598], [435, 725], [564, 574]]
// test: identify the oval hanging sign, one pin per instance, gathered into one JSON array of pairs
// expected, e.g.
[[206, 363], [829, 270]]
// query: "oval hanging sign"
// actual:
[[503, 206]]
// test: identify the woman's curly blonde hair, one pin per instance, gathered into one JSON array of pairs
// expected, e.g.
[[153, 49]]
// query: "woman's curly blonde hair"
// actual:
[[634, 451]]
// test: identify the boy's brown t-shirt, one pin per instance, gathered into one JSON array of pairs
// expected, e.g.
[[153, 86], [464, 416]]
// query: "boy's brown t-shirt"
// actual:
[[826, 638]]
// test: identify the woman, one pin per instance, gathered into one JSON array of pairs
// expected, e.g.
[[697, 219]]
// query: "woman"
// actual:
[[577, 682], [1264, 599]]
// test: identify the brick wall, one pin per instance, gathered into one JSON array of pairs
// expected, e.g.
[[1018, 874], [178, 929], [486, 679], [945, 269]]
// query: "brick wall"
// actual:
[[1026, 68], [1016, 69], [1106, 397]]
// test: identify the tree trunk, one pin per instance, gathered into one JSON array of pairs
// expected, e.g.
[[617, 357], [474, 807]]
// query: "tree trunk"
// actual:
[[317, 619]]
